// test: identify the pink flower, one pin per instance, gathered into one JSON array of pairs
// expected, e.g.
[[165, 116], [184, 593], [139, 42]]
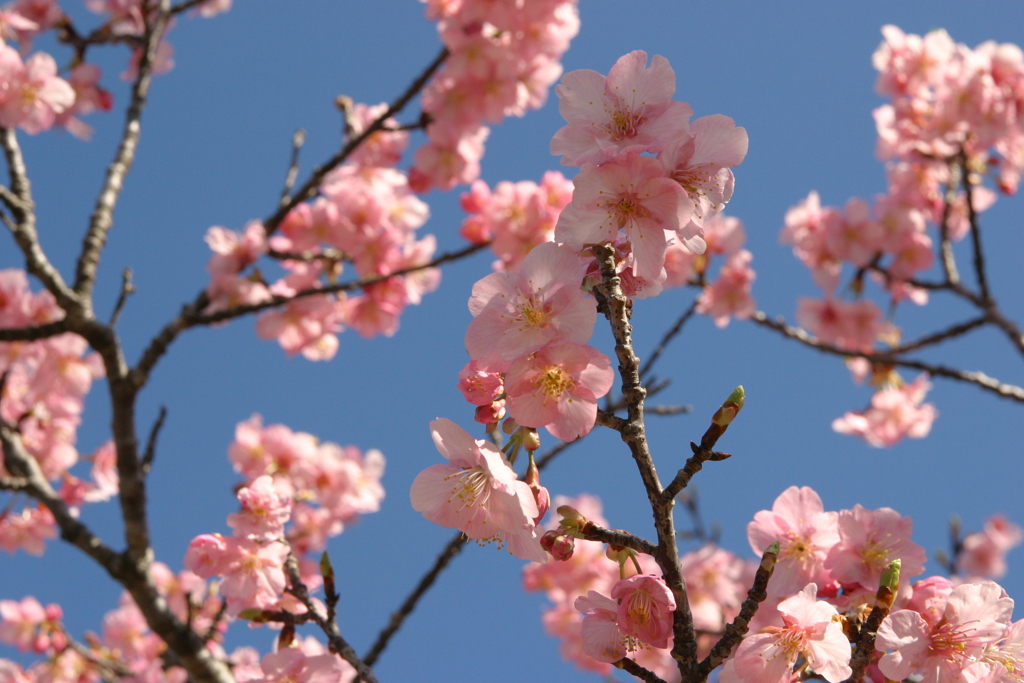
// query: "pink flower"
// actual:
[[811, 631], [264, 511], [33, 93], [516, 313], [895, 412], [630, 110], [701, 163], [602, 638], [984, 552], [646, 608], [557, 387], [729, 295], [629, 193], [868, 541], [806, 533], [291, 665], [976, 616], [478, 493]]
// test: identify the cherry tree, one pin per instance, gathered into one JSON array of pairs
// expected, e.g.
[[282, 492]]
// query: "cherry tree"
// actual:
[[559, 350]]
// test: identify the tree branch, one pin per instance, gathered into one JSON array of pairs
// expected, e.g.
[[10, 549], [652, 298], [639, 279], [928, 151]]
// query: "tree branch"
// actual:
[[102, 218], [614, 304], [979, 379]]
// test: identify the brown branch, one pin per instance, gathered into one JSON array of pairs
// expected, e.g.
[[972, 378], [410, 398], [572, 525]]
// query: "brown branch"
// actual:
[[864, 648], [24, 228], [34, 332], [336, 643], [972, 217], [310, 188], [127, 289], [453, 548], [102, 218], [594, 532], [979, 379], [945, 246], [615, 305], [941, 336], [672, 332], [298, 139], [150, 452], [735, 631], [631, 667]]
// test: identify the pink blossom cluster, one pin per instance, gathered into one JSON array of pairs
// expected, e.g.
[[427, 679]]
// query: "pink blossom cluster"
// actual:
[[326, 485], [44, 395], [948, 98], [365, 215], [615, 123], [897, 410], [528, 338], [514, 217], [127, 18], [728, 296], [306, 661], [503, 58], [590, 602], [125, 641], [828, 570]]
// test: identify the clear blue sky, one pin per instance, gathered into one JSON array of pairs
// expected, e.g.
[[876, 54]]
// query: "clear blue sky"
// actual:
[[214, 149]]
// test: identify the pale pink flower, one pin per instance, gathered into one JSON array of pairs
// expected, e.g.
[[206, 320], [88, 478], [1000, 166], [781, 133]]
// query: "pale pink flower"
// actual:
[[716, 585], [630, 110], [478, 493], [729, 295], [602, 638], [976, 615], [868, 541], [234, 251], [27, 625], [806, 533], [480, 387], [811, 631], [557, 387], [34, 94], [646, 607], [701, 164], [516, 313], [629, 193], [28, 530], [895, 412], [984, 552], [264, 511], [291, 665]]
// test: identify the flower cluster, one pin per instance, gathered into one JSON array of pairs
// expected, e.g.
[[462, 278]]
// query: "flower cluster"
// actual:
[[125, 642], [326, 485], [829, 568], [502, 59], [514, 217], [365, 215], [531, 327], [44, 392], [955, 116], [615, 123]]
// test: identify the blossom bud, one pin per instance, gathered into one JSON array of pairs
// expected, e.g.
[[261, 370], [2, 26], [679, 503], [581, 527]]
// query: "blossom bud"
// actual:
[[572, 521], [727, 412], [531, 440], [561, 547]]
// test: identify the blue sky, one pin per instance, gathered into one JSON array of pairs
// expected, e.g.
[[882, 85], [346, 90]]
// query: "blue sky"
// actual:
[[214, 151]]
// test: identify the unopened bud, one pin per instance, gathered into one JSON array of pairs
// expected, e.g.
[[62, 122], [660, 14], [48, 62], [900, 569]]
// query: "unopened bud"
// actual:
[[891, 575], [560, 546], [531, 439], [727, 412], [572, 521]]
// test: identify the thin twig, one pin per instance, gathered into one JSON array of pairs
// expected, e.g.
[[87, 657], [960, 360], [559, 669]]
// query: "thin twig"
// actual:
[[150, 452], [451, 549], [127, 289], [672, 332], [735, 631], [594, 532], [102, 218], [979, 379], [310, 188], [631, 667], [298, 139], [945, 246], [972, 217], [336, 643]]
